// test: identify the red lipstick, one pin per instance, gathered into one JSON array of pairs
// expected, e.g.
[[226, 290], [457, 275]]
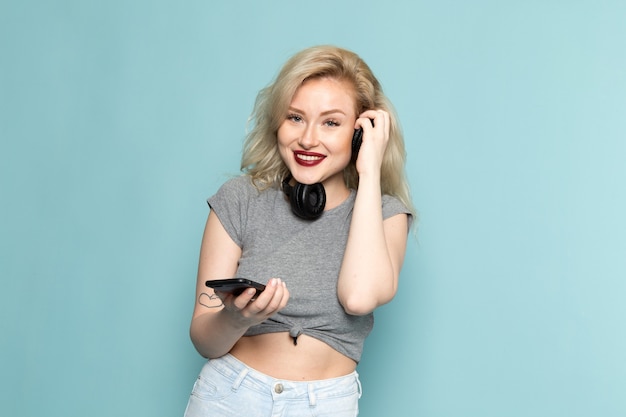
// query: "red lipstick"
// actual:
[[308, 159]]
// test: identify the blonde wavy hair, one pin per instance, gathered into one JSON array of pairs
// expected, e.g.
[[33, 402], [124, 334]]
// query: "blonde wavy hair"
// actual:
[[261, 158]]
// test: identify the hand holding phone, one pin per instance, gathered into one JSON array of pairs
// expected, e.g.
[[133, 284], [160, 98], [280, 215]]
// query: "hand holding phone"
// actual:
[[234, 286], [357, 140]]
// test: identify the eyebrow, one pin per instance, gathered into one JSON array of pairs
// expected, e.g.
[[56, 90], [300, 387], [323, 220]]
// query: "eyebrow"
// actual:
[[324, 113]]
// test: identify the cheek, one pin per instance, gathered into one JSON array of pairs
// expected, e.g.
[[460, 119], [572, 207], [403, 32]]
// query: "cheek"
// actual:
[[283, 144], [282, 135], [343, 145]]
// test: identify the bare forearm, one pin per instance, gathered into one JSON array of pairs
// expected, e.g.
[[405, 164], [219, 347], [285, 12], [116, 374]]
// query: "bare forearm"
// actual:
[[214, 335], [367, 278]]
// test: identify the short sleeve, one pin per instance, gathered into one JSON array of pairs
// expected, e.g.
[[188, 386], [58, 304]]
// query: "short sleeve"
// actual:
[[229, 203], [393, 206]]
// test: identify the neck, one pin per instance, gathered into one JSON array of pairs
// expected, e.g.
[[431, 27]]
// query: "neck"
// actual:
[[336, 192]]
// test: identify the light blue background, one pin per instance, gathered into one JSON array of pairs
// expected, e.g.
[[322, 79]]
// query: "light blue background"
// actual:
[[119, 118]]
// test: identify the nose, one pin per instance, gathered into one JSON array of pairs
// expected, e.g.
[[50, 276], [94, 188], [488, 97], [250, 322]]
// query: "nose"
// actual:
[[308, 138]]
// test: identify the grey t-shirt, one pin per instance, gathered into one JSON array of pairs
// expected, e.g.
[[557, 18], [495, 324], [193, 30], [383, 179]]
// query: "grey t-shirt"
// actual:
[[306, 254]]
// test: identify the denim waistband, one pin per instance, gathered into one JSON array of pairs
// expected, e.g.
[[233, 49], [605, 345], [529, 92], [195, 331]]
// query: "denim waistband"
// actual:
[[241, 374]]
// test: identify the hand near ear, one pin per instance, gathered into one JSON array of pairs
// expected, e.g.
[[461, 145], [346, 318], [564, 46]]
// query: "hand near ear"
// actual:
[[375, 125]]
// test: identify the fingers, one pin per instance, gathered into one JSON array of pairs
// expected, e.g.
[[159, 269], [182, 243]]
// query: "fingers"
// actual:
[[376, 130], [373, 120], [273, 299], [376, 126], [256, 308], [241, 301]]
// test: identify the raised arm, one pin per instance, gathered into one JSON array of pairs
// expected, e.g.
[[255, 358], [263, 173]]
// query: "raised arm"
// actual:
[[375, 249]]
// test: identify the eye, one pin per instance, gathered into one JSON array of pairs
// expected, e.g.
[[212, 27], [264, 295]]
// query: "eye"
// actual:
[[294, 117], [332, 123]]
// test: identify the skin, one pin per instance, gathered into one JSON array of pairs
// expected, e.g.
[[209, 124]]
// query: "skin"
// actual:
[[315, 143]]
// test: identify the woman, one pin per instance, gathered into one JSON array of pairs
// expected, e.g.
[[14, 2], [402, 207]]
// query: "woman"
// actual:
[[324, 227]]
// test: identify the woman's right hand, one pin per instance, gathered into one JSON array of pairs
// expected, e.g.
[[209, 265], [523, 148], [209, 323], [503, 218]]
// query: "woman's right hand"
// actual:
[[247, 311]]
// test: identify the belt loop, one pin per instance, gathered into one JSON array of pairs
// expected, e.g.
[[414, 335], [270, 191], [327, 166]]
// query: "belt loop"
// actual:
[[240, 378], [358, 381], [312, 399]]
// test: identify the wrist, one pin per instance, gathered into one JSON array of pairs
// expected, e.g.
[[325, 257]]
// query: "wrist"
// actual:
[[234, 320], [369, 180]]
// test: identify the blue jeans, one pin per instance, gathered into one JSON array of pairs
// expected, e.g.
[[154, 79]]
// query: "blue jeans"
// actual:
[[227, 387]]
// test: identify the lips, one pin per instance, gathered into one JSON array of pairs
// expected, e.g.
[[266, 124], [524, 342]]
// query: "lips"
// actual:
[[308, 159]]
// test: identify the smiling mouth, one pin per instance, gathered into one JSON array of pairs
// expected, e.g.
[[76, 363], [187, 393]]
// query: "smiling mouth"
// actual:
[[307, 158]]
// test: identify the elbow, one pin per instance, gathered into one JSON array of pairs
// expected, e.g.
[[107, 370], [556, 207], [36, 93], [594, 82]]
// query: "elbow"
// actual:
[[196, 342], [355, 307], [358, 305], [200, 342], [204, 350]]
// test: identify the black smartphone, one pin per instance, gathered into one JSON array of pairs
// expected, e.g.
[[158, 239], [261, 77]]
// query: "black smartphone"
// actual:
[[357, 139], [234, 286]]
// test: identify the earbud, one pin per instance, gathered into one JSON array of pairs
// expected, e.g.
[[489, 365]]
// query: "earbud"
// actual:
[[307, 200]]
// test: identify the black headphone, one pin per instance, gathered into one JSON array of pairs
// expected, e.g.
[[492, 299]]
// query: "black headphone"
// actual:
[[307, 200]]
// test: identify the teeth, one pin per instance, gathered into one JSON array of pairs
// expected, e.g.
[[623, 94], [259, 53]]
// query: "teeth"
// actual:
[[309, 157]]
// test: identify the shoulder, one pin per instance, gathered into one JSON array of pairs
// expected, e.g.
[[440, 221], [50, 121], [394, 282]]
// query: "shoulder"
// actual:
[[393, 206], [239, 187], [232, 202], [241, 190], [238, 184]]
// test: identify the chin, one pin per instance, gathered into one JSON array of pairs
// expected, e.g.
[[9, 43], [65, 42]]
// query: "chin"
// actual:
[[307, 180]]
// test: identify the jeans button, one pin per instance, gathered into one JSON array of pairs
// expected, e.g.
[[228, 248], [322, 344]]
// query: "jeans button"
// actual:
[[278, 388]]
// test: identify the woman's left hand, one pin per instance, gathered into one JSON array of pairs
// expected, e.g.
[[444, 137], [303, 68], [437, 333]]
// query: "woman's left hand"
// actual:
[[375, 125]]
